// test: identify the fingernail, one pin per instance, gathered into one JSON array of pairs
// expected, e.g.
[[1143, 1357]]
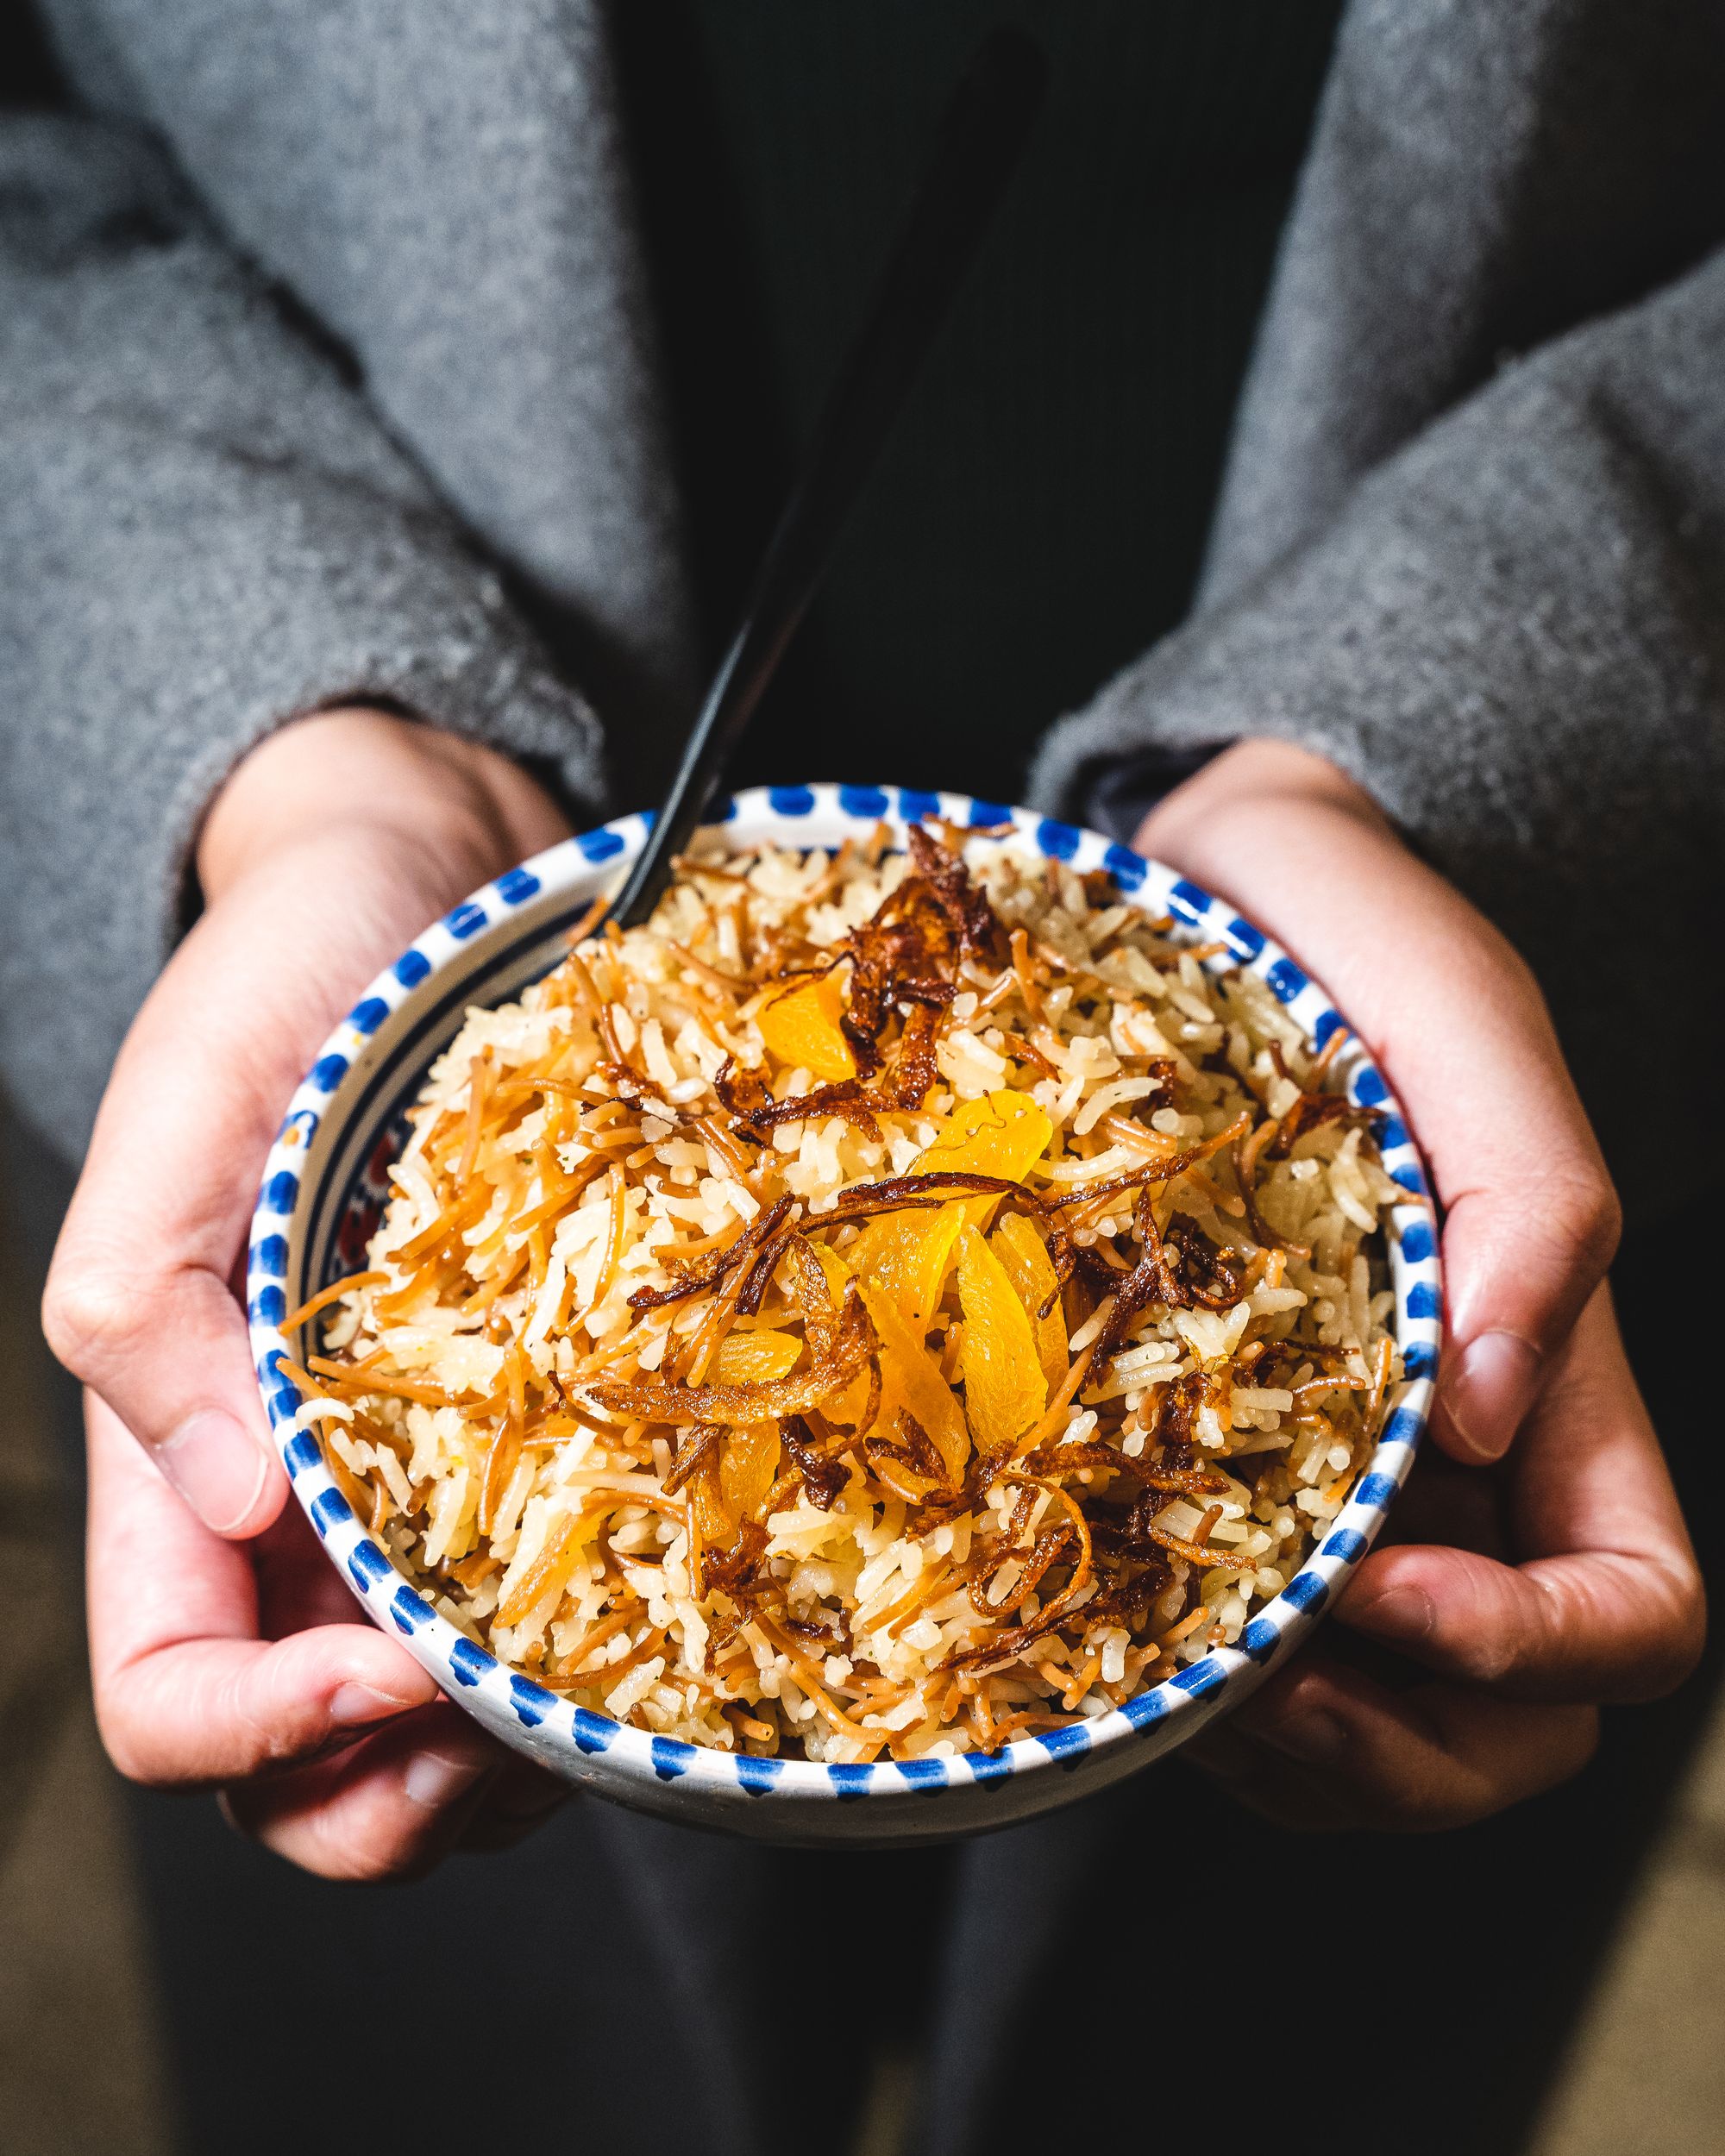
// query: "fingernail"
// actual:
[[1490, 1389], [1314, 1735], [1409, 1612], [362, 1703], [217, 1466], [433, 1780]]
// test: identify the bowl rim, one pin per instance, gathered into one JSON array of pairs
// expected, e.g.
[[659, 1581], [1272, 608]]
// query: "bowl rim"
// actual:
[[773, 814]]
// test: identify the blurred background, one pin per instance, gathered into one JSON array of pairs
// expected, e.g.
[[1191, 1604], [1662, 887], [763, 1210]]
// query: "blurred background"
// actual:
[[106, 2046]]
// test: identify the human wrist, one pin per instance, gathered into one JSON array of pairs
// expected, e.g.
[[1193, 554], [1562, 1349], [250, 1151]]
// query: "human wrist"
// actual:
[[382, 774], [1245, 796], [1258, 769]]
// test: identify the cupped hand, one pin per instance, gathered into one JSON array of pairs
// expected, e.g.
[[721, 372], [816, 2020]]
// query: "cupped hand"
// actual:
[[1563, 1578], [226, 1653]]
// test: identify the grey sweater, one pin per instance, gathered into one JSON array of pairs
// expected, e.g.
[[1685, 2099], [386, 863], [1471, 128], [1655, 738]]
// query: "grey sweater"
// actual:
[[325, 360]]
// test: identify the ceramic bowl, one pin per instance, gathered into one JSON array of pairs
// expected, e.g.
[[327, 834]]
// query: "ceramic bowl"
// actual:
[[323, 1192]]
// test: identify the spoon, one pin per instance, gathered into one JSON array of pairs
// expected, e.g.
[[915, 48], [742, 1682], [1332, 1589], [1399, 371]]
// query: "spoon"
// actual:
[[983, 133]]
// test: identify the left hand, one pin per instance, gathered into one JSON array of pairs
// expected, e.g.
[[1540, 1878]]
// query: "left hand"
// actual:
[[226, 1651], [1562, 1579]]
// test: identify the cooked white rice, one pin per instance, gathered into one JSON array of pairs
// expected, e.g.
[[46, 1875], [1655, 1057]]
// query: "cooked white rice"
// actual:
[[860, 1584]]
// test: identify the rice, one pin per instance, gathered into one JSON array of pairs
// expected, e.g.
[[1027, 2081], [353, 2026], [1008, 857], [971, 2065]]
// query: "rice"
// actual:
[[889, 1305]]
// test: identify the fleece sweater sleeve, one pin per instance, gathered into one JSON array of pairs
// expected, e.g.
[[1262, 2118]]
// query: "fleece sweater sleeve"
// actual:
[[204, 532], [1513, 634]]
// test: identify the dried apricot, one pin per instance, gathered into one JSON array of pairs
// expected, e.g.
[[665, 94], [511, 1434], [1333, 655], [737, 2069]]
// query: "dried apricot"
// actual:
[[801, 1029], [1004, 1390]]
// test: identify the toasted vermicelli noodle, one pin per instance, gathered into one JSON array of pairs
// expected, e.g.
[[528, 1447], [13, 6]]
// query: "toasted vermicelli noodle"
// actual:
[[890, 1304]]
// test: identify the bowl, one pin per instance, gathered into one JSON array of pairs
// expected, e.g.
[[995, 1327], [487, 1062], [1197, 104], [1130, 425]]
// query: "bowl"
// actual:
[[323, 1189]]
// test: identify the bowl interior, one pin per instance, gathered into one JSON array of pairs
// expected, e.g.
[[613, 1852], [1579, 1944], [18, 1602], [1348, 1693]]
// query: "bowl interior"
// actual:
[[327, 1181]]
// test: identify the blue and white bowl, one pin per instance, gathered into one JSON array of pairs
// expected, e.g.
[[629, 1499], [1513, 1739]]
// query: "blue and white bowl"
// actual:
[[323, 1194]]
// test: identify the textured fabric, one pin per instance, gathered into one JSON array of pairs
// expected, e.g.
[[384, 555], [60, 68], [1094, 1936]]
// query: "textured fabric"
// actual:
[[1482, 572], [441, 183], [205, 534]]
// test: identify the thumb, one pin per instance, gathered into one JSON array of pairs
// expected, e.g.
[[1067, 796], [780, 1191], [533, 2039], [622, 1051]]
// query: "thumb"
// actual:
[[138, 1303]]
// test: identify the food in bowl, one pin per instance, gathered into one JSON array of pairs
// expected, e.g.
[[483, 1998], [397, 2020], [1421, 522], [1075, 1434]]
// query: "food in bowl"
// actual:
[[893, 1302]]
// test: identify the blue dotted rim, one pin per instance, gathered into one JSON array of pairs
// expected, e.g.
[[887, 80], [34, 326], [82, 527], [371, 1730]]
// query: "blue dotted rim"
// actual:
[[332, 1090]]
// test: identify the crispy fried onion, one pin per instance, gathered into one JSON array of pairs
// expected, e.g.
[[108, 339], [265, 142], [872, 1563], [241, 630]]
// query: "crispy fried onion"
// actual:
[[919, 1193], [1196, 1277], [831, 1366], [823, 1478], [745, 1093], [1310, 1112], [909, 953], [1161, 1171], [712, 1269]]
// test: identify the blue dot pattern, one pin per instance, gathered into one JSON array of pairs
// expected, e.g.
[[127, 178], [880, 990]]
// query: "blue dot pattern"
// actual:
[[1189, 902], [558, 1730], [1243, 938], [531, 1701], [1127, 869], [281, 1191], [671, 1757], [1286, 979], [329, 1509], [469, 1662]]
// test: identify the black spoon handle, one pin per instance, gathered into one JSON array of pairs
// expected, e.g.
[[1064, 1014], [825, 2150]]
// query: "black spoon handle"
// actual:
[[981, 134]]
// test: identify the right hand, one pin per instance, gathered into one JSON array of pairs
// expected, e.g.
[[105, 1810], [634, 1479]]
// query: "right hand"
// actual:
[[1552, 1572], [226, 1651]]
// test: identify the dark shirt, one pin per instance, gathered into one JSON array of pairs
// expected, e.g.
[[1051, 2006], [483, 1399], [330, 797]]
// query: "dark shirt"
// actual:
[[1039, 516]]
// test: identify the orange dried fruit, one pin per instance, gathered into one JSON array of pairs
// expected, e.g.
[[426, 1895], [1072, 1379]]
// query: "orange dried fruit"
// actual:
[[1024, 1258], [911, 1379], [843, 1407], [1005, 1389], [754, 1358], [801, 1029], [747, 1468], [1001, 1134], [909, 1254]]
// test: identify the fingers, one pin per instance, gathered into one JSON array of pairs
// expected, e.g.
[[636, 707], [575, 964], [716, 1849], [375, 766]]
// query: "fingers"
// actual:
[[1321, 1747], [1458, 1023], [1609, 1604], [330, 1745], [357, 828], [138, 1303], [387, 1808], [186, 1694]]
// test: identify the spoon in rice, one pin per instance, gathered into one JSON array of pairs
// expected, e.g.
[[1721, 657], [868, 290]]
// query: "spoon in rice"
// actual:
[[983, 134]]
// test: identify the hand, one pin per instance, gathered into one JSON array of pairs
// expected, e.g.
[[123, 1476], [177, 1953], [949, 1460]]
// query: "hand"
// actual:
[[226, 1651], [1563, 1578]]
